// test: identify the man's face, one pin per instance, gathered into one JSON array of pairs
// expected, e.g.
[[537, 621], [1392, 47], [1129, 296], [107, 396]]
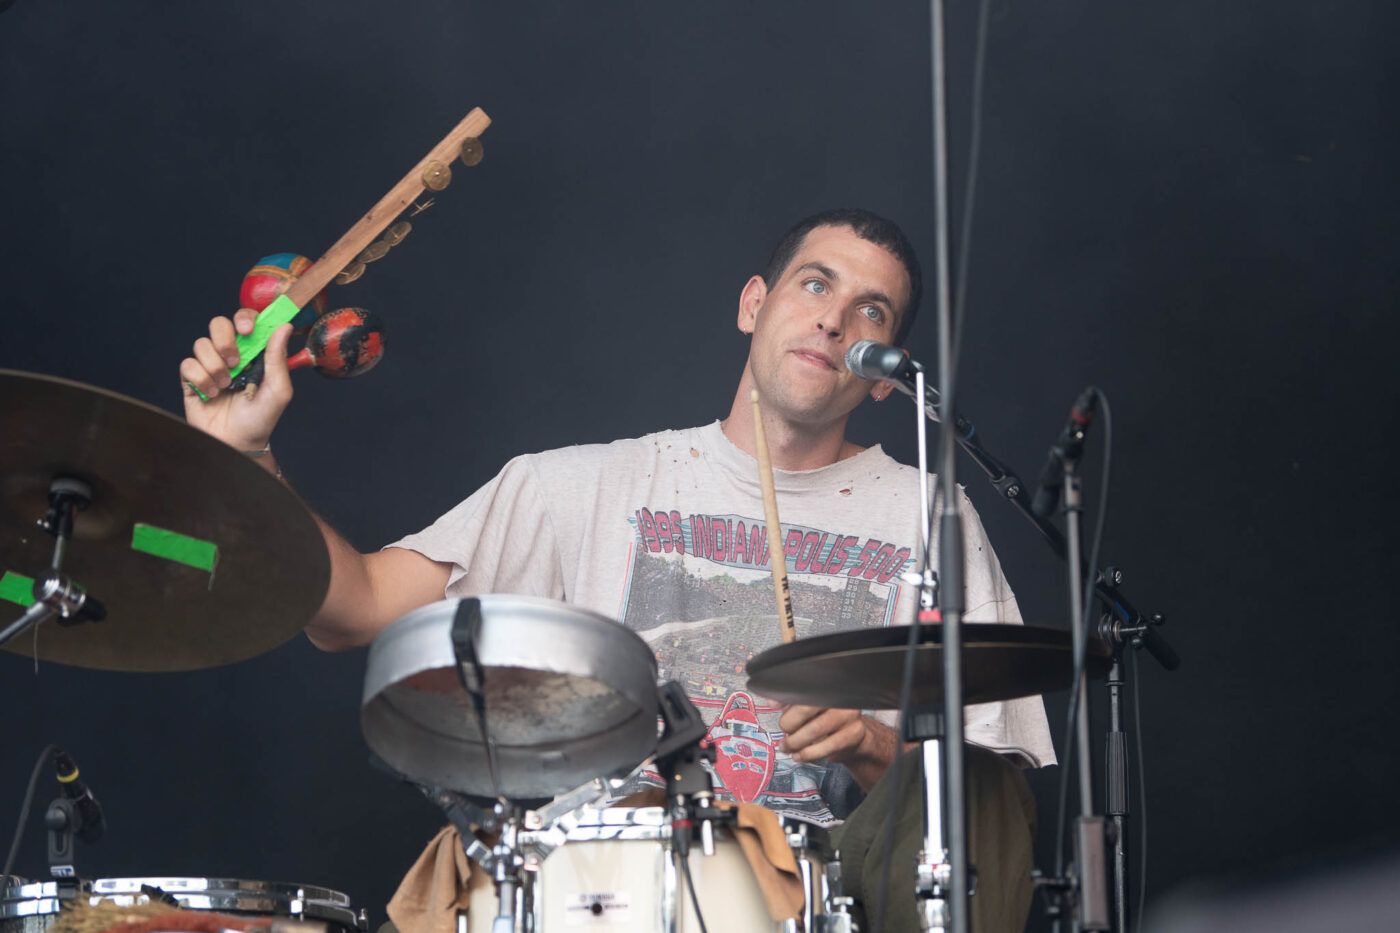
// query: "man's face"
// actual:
[[837, 290]]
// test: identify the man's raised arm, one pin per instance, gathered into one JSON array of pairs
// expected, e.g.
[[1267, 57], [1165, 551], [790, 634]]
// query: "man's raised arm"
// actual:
[[367, 591]]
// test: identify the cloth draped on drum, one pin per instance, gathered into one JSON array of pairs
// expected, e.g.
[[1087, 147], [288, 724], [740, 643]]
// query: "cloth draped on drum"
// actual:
[[440, 882], [1001, 830]]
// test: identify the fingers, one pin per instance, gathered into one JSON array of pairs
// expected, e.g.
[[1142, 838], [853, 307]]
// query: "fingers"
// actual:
[[212, 361], [276, 378], [837, 745], [221, 335], [817, 732], [192, 374], [795, 716], [243, 320]]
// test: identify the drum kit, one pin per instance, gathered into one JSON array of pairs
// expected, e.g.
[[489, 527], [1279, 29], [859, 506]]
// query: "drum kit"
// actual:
[[521, 717]]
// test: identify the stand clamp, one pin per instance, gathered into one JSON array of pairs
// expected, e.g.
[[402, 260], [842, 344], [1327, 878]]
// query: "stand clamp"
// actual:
[[54, 593]]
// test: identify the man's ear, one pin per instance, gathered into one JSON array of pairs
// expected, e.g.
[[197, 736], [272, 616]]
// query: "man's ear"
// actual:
[[750, 300]]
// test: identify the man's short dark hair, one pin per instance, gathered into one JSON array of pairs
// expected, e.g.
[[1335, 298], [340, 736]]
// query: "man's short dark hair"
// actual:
[[868, 226]]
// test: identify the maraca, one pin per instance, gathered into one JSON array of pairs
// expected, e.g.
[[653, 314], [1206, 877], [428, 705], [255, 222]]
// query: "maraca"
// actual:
[[342, 344], [272, 276]]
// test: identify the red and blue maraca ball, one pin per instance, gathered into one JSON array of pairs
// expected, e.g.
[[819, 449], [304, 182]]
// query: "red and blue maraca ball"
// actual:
[[272, 276]]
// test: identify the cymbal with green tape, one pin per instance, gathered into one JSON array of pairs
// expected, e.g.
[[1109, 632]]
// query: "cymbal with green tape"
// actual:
[[201, 557]]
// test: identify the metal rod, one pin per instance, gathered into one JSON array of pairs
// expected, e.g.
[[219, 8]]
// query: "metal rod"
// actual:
[[36, 613], [1116, 784], [951, 596]]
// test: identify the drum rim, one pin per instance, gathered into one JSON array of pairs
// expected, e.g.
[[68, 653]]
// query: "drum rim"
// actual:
[[40, 898]]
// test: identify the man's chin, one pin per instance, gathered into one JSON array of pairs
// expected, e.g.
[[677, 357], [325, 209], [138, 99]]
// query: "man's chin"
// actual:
[[812, 412]]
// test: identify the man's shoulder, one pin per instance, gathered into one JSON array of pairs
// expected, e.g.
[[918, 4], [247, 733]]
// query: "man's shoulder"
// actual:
[[623, 453]]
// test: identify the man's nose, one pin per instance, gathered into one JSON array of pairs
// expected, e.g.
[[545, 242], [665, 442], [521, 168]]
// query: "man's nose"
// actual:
[[830, 322]]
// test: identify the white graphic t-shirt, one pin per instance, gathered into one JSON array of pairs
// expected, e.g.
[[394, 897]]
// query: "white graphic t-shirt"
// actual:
[[666, 534]]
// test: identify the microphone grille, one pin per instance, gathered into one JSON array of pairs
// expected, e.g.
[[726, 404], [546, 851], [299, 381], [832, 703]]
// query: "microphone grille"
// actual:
[[855, 358]]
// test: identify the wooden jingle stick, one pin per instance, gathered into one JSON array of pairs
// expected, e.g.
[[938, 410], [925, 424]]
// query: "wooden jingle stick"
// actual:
[[363, 233], [353, 242], [777, 560]]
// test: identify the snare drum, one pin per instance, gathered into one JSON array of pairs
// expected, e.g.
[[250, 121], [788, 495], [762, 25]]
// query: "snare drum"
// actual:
[[613, 870], [32, 908]]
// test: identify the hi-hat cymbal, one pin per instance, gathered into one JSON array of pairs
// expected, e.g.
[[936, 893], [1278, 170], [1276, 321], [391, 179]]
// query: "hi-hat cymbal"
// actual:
[[863, 669], [148, 467]]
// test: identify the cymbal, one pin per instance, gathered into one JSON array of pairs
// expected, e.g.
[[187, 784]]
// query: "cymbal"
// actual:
[[864, 669], [148, 467]]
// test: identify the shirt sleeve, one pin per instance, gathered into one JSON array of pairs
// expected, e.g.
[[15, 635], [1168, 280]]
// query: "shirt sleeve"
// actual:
[[500, 539], [1014, 727]]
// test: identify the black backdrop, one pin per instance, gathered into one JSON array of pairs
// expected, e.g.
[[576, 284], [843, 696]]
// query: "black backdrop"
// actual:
[[1191, 204]]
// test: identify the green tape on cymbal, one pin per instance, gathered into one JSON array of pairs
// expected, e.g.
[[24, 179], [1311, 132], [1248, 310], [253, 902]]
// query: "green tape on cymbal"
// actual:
[[171, 545], [250, 347], [17, 588]]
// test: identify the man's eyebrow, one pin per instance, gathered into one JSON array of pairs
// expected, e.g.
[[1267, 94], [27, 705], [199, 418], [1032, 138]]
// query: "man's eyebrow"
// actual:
[[824, 270], [877, 296]]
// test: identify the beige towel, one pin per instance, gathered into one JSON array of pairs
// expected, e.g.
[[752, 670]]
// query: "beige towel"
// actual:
[[435, 888]]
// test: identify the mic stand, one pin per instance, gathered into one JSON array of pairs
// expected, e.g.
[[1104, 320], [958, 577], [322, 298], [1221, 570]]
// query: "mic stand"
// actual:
[[683, 757], [951, 596], [55, 593], [1119, 635], [1122, 624], [1090, 868], [933, 869], [506, 863]]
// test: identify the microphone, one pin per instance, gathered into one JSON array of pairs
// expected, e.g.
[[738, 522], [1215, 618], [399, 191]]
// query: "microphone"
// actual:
[[92, 822], [871, 360], [1067, 446]]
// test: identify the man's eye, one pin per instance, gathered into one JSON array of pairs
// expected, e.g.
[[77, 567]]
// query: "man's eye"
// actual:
[[874, 312], [815, 286]]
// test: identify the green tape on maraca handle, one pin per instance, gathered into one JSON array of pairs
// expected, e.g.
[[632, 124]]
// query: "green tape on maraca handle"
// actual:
[[250, 347]]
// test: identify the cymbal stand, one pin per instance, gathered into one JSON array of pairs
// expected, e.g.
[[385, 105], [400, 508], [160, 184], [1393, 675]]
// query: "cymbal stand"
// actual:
[[55, 593]]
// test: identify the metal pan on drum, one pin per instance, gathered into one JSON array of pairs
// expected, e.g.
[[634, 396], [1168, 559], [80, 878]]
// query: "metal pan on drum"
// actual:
[[32, 908], [570, 695]]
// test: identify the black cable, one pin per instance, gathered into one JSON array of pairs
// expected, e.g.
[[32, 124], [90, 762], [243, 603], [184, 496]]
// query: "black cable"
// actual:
[[44, 757], [974, 153], [1061, 817], [684, 862], [1142, 799]]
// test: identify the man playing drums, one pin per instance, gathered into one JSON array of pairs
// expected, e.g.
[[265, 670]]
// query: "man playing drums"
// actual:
[[666, 533]]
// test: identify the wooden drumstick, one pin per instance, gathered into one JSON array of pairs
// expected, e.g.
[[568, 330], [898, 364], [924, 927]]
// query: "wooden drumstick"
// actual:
[[777, 560]]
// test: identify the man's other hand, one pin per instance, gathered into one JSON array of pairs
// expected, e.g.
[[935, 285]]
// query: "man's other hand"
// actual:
[[864, 745]]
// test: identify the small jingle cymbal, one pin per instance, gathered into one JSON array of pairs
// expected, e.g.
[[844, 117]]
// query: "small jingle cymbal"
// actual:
[[396, 234], [436, 176], [350, 273], [472, 151], [375, 251]]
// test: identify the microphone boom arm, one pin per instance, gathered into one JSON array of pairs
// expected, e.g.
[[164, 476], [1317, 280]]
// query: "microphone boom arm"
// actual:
[[1126, 618]]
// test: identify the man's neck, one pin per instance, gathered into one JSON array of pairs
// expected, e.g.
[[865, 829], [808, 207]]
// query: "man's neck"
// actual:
[[791, 446]]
